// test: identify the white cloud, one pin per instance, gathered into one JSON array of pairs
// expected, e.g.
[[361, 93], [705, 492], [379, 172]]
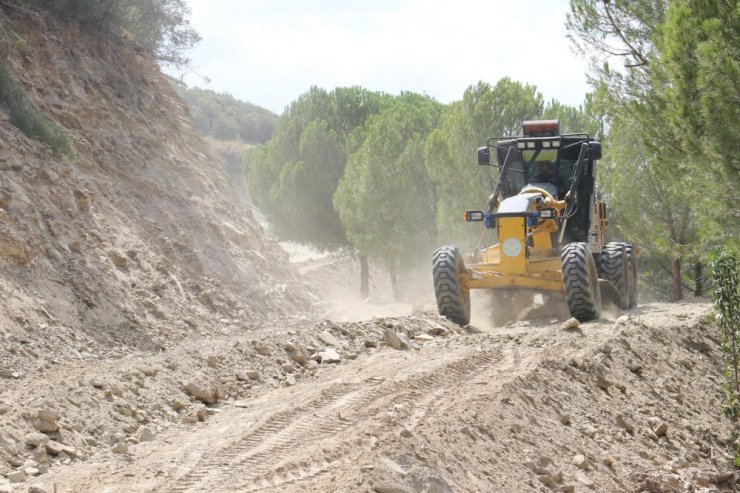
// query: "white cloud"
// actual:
[[268, 53]]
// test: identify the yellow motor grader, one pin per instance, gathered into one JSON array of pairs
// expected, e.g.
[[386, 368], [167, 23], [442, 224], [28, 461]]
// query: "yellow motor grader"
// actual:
[[550, 228]]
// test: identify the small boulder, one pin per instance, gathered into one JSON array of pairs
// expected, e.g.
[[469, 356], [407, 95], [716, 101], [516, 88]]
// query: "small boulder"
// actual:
[[35, 439], [16, 476], [205, 392], [262, 350], [623, 422], [144, 434], [392, 338], [570, 324], [405, 341], [329, 339], [40, 455], [54, 447], [580, 462], [329, 355], [120, 448], [118, 260]]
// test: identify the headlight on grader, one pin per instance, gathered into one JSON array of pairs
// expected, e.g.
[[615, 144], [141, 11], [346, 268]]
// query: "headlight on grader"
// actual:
[[474, 216]]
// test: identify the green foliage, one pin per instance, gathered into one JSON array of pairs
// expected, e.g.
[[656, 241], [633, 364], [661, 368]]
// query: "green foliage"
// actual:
[[159, 26], [572, 120], [673, 130], [225, 118], [623, 29], [385, 199], [727, 306], [450, 158], [700, 61], [10, 37], [294, 176], [649, 204], [27, 118]]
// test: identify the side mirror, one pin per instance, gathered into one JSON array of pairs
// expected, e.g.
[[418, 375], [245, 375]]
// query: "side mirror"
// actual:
[[594, 151], [484, 156]]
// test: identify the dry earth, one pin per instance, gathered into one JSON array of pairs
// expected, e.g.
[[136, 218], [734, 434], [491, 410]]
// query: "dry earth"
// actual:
[[153, 338], [630, 405]]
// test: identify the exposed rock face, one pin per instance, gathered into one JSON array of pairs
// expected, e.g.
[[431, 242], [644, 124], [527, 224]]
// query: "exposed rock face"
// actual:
[[140, 237]]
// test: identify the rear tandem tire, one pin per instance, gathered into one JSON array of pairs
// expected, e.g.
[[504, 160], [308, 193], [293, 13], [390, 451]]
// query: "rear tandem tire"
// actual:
[[615, 268], [453, 299], [632, 260], [581, 282]]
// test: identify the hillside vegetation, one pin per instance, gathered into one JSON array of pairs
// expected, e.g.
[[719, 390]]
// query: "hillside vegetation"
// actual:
[[226, 118]]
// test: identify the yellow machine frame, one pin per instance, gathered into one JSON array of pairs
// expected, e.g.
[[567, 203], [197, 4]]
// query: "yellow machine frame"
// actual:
[[530, 261]]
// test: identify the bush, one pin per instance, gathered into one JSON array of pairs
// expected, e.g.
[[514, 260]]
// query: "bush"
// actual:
[[727, 306], [226, 118], [159, 26], [26, 117]]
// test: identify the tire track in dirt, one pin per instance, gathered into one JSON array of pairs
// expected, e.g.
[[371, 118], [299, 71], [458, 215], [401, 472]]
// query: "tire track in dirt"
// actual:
[[282, 450]]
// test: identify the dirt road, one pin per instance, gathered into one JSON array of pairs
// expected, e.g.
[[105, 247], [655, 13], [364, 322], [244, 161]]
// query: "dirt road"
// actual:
[[627, 405]]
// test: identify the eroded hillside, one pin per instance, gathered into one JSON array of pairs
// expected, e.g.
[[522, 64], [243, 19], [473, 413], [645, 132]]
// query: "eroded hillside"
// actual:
[[141, 233], [137, 243]]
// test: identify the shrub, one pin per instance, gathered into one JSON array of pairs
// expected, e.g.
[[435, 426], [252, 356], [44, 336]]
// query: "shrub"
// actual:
[[27, 118], [727, 306], [159, 26]]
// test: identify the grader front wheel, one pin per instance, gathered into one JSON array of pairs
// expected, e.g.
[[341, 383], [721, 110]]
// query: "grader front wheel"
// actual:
[[453, 298], [581, 282]]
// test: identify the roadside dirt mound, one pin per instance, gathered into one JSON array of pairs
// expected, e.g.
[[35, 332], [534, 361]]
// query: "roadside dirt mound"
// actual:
[[631, 405], [98, 409]]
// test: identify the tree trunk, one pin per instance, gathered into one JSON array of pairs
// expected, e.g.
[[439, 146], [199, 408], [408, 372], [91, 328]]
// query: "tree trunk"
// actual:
[[364, 277], [698, 279], [676, 271], [393, 271]]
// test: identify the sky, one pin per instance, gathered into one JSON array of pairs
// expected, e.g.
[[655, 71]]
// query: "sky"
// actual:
[[268, 52]]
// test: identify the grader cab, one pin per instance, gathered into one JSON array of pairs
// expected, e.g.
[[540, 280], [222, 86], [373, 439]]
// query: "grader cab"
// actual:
[[548, 227]]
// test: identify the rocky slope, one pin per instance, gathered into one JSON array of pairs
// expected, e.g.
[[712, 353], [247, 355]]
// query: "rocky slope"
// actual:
[[141, 231], [137, 243]]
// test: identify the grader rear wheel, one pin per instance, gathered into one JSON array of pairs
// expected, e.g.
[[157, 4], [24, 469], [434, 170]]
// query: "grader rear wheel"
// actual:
[[453, 298], [632, 261], [581, 282], [615, 267]]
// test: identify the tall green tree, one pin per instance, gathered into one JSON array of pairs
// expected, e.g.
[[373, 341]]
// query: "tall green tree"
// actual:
[[700, 63], [385, 198], [294, 176], [575, 119], [671, 53], [226, 118]]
